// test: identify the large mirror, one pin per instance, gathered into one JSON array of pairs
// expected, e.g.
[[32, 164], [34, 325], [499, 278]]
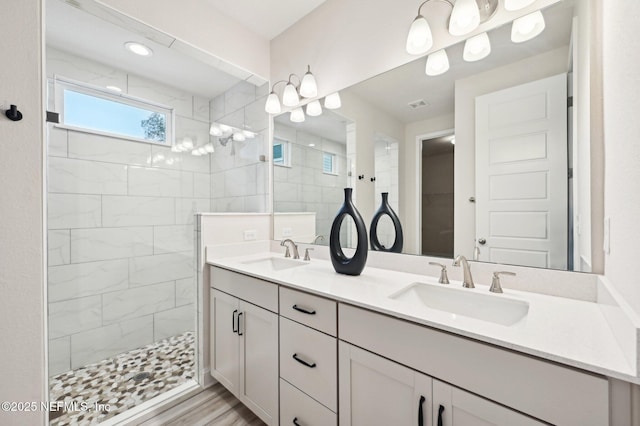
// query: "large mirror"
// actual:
[[488, 160]]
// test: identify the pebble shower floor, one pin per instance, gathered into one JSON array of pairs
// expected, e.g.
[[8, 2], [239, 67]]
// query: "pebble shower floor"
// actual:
[[123, 381]]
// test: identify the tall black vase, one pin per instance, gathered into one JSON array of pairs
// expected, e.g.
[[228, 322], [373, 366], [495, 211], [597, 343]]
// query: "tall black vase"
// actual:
[[341, 263], [385, 208]]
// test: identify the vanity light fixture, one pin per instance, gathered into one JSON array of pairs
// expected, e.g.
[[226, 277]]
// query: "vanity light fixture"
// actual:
[[437, 63], [297, 115], [307, 88], [512, 5], [314, 108], [138, 48], [527, 27], [209, 148], [466, 16], [239, 137], [332, 101], [476, 48], [187, 142]]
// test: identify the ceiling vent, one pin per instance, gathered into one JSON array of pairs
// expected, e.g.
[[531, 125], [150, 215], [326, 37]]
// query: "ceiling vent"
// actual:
[[420, 103]]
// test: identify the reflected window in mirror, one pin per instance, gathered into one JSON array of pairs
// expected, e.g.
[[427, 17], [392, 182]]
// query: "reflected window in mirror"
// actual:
[[329, 163], [281, 153]]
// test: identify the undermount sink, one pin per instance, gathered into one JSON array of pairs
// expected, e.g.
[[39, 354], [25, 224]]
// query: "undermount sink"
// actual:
[[275, 263], [464, 302]]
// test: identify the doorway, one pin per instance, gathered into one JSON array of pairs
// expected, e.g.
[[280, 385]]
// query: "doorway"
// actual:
[[437, 196]]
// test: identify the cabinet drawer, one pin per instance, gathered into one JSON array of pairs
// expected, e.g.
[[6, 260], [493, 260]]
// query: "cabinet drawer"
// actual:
[[295, 404], [253, 290], [319, 378], [314, 311]]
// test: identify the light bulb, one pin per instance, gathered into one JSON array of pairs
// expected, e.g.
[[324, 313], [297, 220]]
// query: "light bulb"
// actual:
[[465, 17], [272, 106], [332, 101], [187, 142], [297, 115], [437, 63], [419, 39], [476, 48], [209, 148], [290, 95], [224, 128], [239, 137], [314, 108], [308, 86], [517, 4], [527, 27], [215, 130]]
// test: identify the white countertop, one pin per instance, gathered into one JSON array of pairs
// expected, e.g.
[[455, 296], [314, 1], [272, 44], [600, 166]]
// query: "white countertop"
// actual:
[[567, 331]]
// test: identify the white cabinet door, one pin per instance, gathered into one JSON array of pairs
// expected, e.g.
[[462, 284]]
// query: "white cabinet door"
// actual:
[[455, 407], [258, 329], [375, 391], [225, 342]]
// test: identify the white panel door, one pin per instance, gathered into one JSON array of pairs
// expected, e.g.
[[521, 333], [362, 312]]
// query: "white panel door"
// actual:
[[375, 391], [225, 342], [521, 174], [455, 407], [259, 359]]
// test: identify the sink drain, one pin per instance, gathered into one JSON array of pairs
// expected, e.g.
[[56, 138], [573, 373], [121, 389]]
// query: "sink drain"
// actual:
[[141, 376]]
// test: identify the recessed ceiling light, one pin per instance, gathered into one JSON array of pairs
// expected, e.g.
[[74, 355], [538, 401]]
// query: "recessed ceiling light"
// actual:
[[312, 144], [114, 88], [138, 48]]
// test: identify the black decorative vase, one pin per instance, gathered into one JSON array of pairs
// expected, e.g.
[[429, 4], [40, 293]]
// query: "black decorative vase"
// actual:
[[341, 263], [385, 208]]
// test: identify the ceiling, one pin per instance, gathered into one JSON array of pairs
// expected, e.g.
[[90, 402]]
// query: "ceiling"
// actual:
[[266, 18], [395, 89], [83, 34]]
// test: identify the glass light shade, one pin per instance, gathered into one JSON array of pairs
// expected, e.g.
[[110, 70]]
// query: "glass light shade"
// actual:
[[225, 128], [215, 130], [187, 142], [196, 152], [527, 27], [202, 150], [209, 148], [308, 86], [437, 63], [297, 115], [517, 4], [239, 137], [170, 161], [290, 95], [420, 39], [465, 17], [476, 48], [272, 106], [314, 108], [175, 148], [332, 101], [248, 134]]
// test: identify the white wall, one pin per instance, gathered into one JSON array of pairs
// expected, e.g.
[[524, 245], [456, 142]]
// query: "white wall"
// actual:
[[22, 303], [466, 90], [621, 60], [199, 24]]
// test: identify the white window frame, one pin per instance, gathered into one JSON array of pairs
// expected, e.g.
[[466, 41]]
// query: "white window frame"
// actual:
[[286, 152], [62, 83], [334, 163]]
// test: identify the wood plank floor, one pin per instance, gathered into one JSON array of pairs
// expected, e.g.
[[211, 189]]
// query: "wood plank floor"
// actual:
[[213, 406]]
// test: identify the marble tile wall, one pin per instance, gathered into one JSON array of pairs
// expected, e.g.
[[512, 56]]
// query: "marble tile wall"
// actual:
[[239, 179], [303, 187], [120, 218]]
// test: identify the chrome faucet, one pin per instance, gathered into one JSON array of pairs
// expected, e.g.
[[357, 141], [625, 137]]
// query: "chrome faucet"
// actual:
[[294, 247], [467, 281], [318, 237]]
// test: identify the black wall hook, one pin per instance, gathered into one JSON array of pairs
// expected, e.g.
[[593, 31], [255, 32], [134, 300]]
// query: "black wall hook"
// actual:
[[373, 179], [13, 114], [360, 177]]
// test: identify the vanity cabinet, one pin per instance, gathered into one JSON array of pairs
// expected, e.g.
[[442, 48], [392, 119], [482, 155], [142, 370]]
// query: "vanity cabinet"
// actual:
[[244, 348], [376, 391]]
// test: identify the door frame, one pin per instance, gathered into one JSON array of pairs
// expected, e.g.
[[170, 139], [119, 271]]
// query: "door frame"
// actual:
[[418, 194]]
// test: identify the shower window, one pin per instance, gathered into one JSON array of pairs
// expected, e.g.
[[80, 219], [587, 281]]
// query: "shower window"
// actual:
[[95, 110], [329, 165], [281, 153]]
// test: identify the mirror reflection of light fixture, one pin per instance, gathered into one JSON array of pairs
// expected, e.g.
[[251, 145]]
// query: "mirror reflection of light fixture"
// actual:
[[314, 108], [512, 5], [466, 16], [437, 63], [187, 142], [527, 27], [297, 115], [332, 101], [476, 48]]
